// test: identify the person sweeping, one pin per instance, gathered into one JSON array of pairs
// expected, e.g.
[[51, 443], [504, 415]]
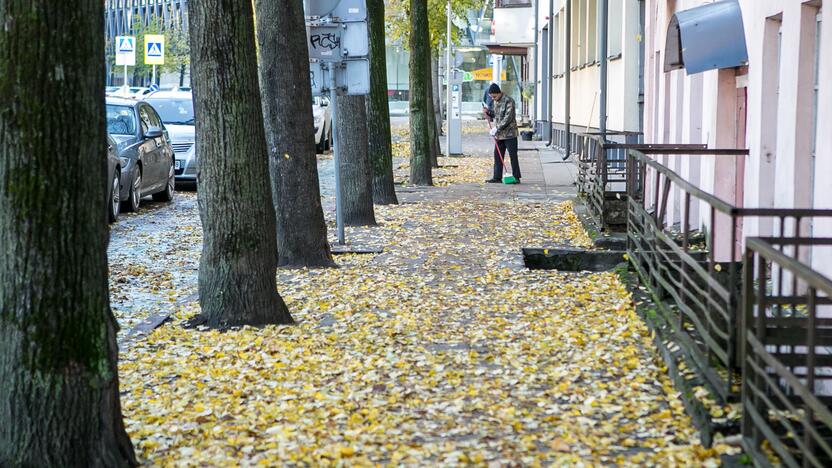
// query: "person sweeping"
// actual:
[[504, 132]]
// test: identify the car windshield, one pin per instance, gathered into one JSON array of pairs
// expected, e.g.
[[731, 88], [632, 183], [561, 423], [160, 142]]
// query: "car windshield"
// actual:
[[174, 111], [121, 120]]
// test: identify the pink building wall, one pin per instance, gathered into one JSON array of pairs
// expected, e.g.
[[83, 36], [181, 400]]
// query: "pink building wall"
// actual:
[[777, 93]]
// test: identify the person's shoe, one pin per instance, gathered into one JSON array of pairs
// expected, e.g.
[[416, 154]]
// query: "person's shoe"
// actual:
[[493, 181]]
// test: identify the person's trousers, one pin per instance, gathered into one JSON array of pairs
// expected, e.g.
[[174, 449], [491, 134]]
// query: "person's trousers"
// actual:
[[508, 148]]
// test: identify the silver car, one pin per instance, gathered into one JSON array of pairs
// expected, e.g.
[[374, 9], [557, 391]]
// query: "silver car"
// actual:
[[322, 116], [176, 109]]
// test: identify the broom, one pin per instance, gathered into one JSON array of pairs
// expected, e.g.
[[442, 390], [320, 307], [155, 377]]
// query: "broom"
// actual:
[[508, 177]]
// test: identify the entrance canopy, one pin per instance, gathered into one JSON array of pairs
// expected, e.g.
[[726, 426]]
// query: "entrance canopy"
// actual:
[[705, 38]]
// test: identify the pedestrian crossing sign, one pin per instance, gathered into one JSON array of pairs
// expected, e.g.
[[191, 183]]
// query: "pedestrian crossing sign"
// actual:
[[154, 49], [126, 50]]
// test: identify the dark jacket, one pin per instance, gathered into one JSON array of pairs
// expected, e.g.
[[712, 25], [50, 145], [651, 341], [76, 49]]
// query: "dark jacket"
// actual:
[[505, 120]]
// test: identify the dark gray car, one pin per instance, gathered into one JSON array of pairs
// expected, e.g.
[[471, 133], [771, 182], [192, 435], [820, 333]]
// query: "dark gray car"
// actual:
[[113, 181], [143, 146]]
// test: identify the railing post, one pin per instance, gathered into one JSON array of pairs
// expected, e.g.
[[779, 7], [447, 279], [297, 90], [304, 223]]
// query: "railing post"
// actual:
[[748, 318], [711, 270], [760, 333], [811, 324]]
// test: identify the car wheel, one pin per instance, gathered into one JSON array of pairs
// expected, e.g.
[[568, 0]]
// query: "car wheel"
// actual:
[[167, 194], [134, 197], [115, 198]]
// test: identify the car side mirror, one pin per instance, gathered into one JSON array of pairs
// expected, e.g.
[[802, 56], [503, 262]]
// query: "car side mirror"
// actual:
[[153, 132]]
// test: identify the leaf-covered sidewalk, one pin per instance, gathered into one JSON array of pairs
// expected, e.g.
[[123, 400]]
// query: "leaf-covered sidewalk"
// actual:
[[441, 350]]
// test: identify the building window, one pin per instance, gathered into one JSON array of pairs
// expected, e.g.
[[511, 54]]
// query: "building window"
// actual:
[[512, 3], [615, 23], [575, 51], [557, 67], [815, 135], [592, 31]]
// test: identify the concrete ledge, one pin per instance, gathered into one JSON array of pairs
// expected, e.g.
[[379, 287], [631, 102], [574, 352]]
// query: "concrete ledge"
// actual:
[[569, 259]]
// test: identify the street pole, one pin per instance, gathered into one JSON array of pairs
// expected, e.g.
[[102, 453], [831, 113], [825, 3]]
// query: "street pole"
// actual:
[[125, 77], [336, 159], [448, 82], [602, 38], [153, 78], [536, 62], [568, 84], [550, 72]]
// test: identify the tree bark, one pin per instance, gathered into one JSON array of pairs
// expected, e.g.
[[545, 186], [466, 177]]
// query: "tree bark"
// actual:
[[59, 389], [239, 249], [432, 130], [378, 110], [420, 149], [356, 174], [437, 95], [287, 113]]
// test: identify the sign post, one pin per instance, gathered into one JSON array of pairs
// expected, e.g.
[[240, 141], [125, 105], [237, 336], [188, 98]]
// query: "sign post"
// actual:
[[154, 52], [338, 43], [125, 53]]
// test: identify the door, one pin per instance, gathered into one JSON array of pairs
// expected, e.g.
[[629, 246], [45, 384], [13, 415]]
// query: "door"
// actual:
[[153, 149], [739, 185], [165, 151]]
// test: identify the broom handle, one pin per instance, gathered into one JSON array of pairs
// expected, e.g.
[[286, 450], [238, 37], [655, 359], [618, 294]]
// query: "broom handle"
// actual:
[[497, 145]]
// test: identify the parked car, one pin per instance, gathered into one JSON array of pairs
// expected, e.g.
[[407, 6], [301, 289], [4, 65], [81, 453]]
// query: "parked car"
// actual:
[[113, 181], [322, 116], [143, 146], [176, 109]]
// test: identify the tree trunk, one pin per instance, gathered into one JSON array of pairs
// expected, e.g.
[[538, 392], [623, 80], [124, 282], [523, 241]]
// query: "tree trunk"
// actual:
[[431, 121], [239, 248], [287, 111], [437, 101], [59, 389], [420, 142], [378, 110], [356, 174]]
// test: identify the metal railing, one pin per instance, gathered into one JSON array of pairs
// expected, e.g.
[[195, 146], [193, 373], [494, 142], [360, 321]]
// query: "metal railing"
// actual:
[[602, 172], [694, 276], [787, 359]]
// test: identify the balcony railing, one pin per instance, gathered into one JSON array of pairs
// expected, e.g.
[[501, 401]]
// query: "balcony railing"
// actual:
[[787, 354], [693, 275]]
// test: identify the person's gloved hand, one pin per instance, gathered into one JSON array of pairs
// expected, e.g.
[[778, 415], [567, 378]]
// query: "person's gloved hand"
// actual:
[[493, 131]]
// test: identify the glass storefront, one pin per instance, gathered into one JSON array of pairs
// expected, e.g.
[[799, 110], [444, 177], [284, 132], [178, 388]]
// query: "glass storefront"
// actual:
[[473, 61]]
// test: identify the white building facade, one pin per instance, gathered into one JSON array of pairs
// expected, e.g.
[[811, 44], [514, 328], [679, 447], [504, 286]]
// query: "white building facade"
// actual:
[[623, 50]]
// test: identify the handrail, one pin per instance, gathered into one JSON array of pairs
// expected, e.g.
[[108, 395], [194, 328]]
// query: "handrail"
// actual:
[[713, 200], [764, 246]]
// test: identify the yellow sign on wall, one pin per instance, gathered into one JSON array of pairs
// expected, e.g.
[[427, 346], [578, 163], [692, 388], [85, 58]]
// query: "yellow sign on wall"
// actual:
[[154, 49], [485, 74]]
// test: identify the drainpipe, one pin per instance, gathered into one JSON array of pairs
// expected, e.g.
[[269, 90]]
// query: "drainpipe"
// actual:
[[602, 38], [536, 63], [550, 71], [568, 83]]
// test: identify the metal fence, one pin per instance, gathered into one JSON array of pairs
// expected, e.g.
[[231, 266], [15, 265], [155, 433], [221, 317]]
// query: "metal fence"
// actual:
[[694, 280], [787, 359]]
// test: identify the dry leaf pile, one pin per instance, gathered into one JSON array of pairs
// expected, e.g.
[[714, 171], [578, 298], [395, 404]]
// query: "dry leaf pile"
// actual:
[[442, 350], [451, 171]]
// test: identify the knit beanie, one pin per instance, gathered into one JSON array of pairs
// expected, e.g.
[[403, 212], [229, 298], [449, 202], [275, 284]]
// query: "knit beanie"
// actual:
[[494, 89]]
